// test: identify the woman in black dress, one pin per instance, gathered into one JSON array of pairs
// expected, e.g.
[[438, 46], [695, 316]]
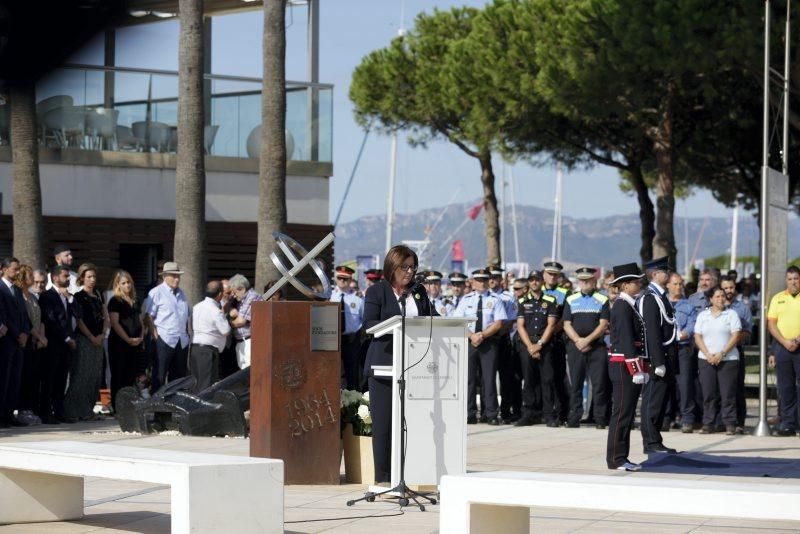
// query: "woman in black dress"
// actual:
[[382, 302], [125, 349], [86, 365]]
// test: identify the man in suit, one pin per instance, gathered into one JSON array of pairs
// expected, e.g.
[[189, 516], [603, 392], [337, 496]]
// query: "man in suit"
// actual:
[[19, 327], [58, 316], [659, 321]]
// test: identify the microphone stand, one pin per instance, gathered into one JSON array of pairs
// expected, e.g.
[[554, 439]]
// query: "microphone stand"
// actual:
[[402, 488]]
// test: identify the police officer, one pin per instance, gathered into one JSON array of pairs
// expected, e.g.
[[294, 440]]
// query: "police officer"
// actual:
[[433, 285], [483, 337], [457, 286], [585, 317], [659, 321], [509, 370], [352, 309], [554, 368], [372, 276], [628, 345], [537, 316]]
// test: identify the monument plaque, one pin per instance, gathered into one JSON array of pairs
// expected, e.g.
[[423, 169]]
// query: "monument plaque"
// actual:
[[324, 333]]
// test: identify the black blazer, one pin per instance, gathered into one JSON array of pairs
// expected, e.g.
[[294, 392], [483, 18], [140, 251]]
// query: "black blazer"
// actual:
[[381, 304], [17, 318], [57, 323]]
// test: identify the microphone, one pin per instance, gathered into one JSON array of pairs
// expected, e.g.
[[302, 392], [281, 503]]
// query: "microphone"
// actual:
[[418, 281]]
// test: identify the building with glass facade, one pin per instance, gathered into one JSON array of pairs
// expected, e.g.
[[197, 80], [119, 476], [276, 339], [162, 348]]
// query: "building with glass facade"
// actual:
[[107, 134]]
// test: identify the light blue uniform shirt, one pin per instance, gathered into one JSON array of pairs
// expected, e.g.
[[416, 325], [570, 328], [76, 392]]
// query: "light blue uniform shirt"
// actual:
[[170, 313], [353, 310], [493, 308], [685, 318], [745, 315]]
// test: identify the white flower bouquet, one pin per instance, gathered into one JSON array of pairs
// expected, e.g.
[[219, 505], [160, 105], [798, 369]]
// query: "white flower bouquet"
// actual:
[[355, 410]]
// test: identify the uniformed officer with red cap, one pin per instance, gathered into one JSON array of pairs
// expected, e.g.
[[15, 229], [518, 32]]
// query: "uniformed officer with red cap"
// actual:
[[352, 310]]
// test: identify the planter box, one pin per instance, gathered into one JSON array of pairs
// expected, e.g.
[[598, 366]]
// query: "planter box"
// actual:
[[358, 464]]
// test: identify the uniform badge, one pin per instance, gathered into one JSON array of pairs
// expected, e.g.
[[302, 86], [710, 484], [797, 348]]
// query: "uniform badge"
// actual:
[[490, 304], [416, 296], [353, 305], [544, 305]]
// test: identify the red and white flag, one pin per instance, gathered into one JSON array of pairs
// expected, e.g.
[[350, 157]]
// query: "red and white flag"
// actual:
[[475, 210], [457, 253]]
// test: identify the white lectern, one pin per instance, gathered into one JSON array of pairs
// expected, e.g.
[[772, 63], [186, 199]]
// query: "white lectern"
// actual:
[[436, 396]]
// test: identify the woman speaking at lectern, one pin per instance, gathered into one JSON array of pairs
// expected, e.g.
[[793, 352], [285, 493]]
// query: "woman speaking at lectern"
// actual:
[[382, 302]]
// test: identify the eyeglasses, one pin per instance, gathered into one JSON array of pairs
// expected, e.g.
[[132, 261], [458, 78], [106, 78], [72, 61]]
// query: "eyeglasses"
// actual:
[[519, 289], [408, 268], [342, 278]]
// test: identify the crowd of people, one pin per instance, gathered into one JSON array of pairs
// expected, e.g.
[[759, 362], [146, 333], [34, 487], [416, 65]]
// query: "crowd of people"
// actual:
[[542, 350], [63, 339]]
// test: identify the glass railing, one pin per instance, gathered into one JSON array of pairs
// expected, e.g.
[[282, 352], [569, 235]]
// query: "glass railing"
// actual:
[[132, 110]]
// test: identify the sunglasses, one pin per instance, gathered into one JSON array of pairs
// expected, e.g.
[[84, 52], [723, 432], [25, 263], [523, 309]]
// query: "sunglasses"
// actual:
[[342, 278], [519, 289]]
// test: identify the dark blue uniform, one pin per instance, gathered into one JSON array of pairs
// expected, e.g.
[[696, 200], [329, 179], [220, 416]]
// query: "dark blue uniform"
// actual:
[[535, 313]]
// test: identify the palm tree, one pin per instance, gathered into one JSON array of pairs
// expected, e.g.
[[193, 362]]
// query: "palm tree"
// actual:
[[190, 176], [27, 190], [272, 164]]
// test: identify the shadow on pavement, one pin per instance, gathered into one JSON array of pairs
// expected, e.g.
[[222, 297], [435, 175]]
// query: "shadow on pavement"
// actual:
[[697, 463]]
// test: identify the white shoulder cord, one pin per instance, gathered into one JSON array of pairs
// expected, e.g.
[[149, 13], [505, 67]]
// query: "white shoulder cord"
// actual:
[[632, 303], [664, 317]]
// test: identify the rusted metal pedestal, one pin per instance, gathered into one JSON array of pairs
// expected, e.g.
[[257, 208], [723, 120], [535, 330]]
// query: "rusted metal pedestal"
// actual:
[[294, 389]]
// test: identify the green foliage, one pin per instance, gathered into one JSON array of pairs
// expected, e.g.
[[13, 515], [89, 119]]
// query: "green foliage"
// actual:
[[723, 261]]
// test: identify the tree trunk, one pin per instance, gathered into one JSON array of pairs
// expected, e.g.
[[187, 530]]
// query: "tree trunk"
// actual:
[[663, 149], [272, 164], [647, 214], [490, 214], [190, 175], [27, 190]]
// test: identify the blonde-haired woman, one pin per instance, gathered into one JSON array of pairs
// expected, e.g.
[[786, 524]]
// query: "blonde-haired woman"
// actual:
[[86, 367], [125, 341]]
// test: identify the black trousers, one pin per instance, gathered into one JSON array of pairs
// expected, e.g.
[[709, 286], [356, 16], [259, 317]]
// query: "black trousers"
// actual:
[[227, 360], [787, 370], [531, 380], [29, 391], [719, 391], [624, 396], [54, 369], [170, 362], [204, 365], [741, 399], [484, 356], [351, 356], [510, 378], [11, 358], [380, 404], [687, 381], [653, 404], [555, 400], [595, 361]]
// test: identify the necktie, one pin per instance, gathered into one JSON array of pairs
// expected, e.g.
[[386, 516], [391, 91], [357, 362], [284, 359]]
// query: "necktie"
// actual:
[[341, 308], [479, 323]]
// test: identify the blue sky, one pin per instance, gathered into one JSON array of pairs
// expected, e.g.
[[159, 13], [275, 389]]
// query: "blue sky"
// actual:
[[427, 177]]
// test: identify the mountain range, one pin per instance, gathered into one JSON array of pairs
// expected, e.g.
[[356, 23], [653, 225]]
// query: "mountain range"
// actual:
[[604, 241]]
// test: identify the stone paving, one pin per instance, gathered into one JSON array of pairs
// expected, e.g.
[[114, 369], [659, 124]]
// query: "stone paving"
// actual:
[[117, 506]]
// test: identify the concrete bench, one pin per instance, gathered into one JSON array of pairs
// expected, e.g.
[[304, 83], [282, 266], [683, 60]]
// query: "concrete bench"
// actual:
[[500, 501], [210, 493]]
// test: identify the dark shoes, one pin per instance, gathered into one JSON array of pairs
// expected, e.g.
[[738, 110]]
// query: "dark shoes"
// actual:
[[525, 421], [660, 448], [50, 420], [730, 430], [494, 422], [687, 428], [707, 429], [573, 424], [600, 426], [472, 420], [783, 432]]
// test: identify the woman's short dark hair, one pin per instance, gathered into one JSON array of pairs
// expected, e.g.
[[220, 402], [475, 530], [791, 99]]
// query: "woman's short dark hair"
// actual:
[[710, 292], [395, 258]]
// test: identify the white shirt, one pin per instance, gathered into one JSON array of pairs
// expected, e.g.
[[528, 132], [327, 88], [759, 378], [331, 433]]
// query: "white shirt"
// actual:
[[209, 324], [411, 305], [717, 331]]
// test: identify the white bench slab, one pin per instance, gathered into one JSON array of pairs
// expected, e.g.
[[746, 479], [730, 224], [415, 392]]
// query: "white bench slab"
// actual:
[[500, 501], [210, 493]]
